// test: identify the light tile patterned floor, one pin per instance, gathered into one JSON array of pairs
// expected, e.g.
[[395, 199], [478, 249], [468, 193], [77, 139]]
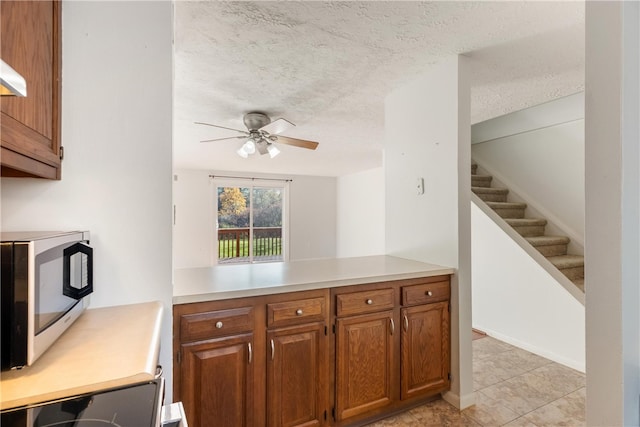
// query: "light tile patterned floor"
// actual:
[[513, 388]]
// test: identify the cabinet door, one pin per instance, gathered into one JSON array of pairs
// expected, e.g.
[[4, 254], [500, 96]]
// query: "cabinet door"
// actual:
[[364, 363], [30, 126], [425, 349], [296, 376], [217, 382]]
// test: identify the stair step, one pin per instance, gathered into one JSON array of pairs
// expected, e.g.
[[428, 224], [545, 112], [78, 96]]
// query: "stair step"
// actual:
[[549, 245], [528, 227], [567, 261], [508, 209], [489, 194], [571, 266], [481, 180], [554, 248]]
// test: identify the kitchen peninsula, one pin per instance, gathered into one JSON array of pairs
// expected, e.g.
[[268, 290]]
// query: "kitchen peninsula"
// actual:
[[315, 342], [235, 281]]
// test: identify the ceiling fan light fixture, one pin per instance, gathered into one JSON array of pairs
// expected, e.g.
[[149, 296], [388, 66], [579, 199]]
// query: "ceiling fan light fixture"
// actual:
[[261, 134], [273, 150], [249, 147], [242, 153]]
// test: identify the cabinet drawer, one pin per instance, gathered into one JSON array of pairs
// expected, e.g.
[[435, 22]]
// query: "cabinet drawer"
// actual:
[[200, 326], [364, 302], [295, 312], [425, 293]]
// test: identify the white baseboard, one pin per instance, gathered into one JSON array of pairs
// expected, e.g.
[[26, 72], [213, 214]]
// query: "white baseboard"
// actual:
[[461, 403], [578, 366]]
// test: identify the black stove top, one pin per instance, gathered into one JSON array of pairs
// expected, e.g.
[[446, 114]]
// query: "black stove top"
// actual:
[[133, 406]]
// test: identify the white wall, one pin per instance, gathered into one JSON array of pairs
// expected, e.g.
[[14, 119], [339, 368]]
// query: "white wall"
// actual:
[[546, 168], [517, 301], [312, 217], [193, 228], [612, 117], [116, 131], [560, 110], [428, 130], [360, 228]]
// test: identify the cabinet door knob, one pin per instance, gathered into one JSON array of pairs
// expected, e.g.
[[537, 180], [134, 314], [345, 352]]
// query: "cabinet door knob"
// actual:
[[406, 323], [299, 312], [429, 293], [369, 301], [273, 350], [219, 325], [250, 352], [393, 326]]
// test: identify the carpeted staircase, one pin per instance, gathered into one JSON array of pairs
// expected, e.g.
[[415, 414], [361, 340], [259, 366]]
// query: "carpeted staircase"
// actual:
[[554, 248]]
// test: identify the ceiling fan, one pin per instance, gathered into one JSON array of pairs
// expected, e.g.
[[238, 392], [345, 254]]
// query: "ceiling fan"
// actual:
[[261, 134]]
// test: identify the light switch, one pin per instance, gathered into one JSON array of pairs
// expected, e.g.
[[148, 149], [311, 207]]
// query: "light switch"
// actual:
[[420, 186]]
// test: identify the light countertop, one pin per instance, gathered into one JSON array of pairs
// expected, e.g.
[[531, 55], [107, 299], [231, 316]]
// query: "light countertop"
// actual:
[[236, 281], [106, 347]]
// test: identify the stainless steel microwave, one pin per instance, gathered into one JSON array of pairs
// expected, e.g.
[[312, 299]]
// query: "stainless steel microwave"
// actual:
[[46, 280]]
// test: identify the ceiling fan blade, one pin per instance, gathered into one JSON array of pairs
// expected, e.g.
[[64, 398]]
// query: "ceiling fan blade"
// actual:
[[302, 143], [222, 127], [222, 139], [277, 126]]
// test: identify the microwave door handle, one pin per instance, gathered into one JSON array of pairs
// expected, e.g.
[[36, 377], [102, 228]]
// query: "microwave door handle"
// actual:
[[86, 286]]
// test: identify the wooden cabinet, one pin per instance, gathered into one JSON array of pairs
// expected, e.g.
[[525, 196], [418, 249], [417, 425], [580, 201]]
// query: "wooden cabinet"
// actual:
[[253, 361], [391, 346], [342, 356], [30, 42], [217, 365], [425, 338], [217, 381], [297, 376], [364, 363], [425, 349], [367, 301]]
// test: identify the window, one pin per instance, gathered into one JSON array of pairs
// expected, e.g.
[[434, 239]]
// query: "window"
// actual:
[[251, 221]]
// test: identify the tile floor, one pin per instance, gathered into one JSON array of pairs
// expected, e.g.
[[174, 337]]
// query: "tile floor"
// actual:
[[513, 388]]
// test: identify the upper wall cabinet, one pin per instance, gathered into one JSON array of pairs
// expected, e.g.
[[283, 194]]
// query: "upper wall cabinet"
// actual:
[[30, 42]]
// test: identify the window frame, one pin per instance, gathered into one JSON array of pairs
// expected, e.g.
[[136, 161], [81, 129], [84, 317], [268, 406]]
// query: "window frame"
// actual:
[[250, 183]]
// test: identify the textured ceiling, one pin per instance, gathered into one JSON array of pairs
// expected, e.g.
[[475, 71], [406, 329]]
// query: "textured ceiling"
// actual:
[[328, 66]]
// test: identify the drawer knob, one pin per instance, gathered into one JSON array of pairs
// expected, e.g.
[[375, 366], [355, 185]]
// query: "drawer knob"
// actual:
[[299, 312], [429, 293], [369, 301], [219, 325]]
